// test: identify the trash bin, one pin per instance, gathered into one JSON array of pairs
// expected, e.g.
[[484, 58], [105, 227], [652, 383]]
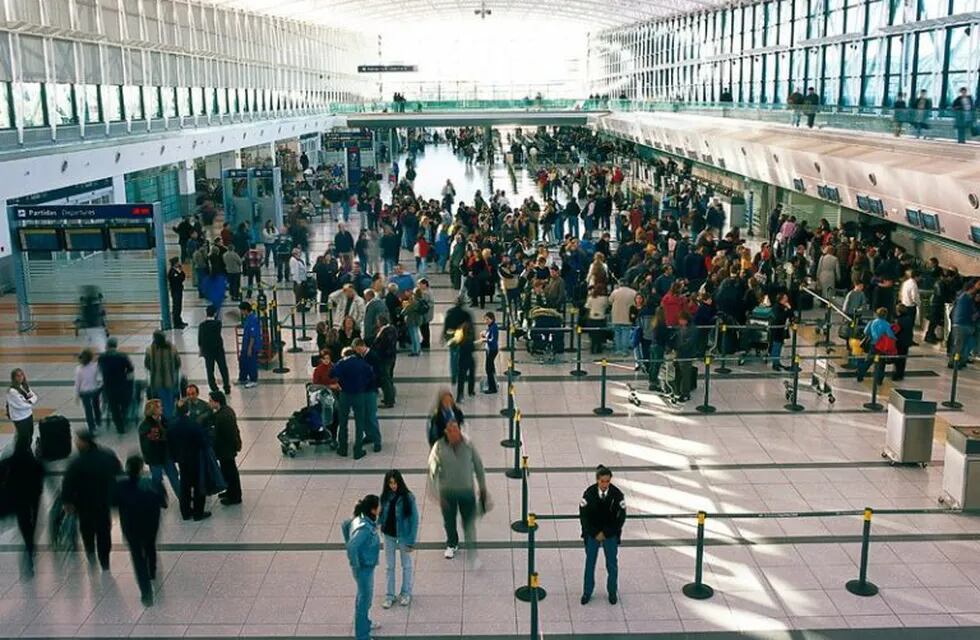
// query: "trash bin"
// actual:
[[911, 420], [961, 469]]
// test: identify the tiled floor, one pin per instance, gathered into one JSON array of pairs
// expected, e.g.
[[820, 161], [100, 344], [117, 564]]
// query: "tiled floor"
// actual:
[[276, 567]]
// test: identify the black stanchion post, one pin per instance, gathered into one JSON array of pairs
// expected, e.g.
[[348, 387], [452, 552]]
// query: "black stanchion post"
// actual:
[[302, 313], [527, 592], [792, 356], [706, 407], [793, 393], [521, 526], [861, 586], [535, 597], [282, 368], [874, 405], [508, 411], [571, 334], [852, 333], [514, 373], [577, 372], [698, 590], [515, 472], [952, 403], [292, 326], [602, 409], [329, 314], [722, 335]]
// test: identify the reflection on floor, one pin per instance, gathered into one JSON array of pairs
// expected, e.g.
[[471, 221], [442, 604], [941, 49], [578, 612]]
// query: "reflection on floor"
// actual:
[[276, 566]]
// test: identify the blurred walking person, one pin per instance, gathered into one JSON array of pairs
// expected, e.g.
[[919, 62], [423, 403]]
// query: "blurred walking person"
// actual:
[[117, 380], [87, 490], [162, 364], [453, 464], [139, 504], [22, 496]]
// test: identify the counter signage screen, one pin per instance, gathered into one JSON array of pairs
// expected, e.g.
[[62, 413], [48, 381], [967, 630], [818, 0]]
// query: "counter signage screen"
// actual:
[[131, 238], [914, 217], [930, 221], [85, 239], [40, 240], [975, 233]]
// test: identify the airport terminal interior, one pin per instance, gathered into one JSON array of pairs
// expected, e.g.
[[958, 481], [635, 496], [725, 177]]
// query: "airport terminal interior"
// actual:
[[490, 319]]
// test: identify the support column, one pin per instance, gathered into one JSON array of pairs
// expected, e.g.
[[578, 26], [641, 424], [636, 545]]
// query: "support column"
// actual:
[[119, 189], [187, 187]]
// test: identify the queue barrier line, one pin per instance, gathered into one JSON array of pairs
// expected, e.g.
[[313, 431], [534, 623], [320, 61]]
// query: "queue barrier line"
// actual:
[[533, 592]]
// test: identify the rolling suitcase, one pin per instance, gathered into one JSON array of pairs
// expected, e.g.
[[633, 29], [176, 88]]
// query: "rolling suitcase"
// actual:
[[54, 441]]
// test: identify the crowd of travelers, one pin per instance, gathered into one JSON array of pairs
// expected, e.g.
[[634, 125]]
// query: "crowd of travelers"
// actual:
[[655, 274]]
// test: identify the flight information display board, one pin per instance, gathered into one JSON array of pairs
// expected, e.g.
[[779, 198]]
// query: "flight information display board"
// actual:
[[85, 239], [39, 239], [133, 238]]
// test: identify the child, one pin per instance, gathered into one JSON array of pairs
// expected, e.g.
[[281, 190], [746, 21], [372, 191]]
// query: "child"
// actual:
[[421, 254]]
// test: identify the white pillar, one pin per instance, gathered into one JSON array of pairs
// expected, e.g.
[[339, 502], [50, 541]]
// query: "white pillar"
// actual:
[[119, 188], [4, 230], [186, 187]]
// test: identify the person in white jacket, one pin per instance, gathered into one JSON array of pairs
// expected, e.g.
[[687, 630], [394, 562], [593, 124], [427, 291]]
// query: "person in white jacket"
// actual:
[[298, 273], [345, 302], [20, 408], [88, 388]]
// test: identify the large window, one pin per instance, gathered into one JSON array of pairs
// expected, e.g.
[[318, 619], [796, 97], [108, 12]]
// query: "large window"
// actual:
[[93, 107], [64, 104], [183, 101], [168, 97], [873, 91], [133, 99], [112, 105], [197, 101], [222, 101], [959, 63], [6, 113], [32, 104], [151, 101], [928, 61]]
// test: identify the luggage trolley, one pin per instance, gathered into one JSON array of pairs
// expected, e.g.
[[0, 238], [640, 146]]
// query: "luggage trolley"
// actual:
[[821, 376]]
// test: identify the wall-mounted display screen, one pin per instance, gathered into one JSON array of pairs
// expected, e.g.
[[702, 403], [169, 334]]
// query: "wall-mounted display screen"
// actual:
[[975, 233], [930, 221], [39, 240], [85, 239], [914, 217], [130, 238]]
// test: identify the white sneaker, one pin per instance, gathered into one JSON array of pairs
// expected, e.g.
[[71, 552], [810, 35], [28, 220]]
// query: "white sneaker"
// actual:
[[249, 385], [387, 603], [450, 553], [405, 600]]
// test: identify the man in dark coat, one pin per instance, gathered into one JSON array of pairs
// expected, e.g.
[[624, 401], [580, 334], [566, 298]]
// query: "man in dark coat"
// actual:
[[117, 380], [188, 442], [87, 489], [139, 505], [212, 348], [25, 475], [227, 445], [175, 280]]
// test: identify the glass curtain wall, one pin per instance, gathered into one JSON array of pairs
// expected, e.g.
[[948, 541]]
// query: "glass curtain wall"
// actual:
[[854, 53], [198, 60]]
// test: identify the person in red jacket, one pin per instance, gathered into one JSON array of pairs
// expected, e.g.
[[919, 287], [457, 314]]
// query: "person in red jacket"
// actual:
[[674, 302]]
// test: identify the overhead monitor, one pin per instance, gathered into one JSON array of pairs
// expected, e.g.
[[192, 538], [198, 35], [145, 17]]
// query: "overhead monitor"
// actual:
[[85, 239], [975, 233], [863, 203], [914, 217], [930, 221], [46, 239], [131, 238]]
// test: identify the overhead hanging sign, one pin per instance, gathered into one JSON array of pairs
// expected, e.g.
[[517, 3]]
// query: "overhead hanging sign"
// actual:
[[338, 139], [387, 68], [140, 211]]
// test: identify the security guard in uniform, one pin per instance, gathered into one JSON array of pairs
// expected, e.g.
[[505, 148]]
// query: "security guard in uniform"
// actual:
[[602, 512]]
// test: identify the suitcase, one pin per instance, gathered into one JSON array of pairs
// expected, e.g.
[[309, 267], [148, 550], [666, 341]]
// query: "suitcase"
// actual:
[[54, 441]]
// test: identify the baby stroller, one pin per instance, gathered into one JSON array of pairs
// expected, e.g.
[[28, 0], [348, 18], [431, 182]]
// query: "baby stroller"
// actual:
[[543, 339], [314, 425], [755, 339]]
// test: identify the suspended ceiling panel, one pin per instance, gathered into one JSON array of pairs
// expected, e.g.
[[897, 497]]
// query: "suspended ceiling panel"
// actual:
[[381, 15]]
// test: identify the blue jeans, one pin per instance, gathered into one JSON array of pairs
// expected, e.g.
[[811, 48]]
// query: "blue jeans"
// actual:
[[168, 399], [621, 337], [573, 226], [248, 368], [453, 362], [775, 350], [372, 427], [91, 402], [392, 545], [345, 207], [169, 468], [364, 579], [559, 229], [359, 403], [610, 549], [390, 265], [415, 336]]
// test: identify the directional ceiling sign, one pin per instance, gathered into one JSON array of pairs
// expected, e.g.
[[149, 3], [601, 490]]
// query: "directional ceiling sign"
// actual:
[[387, 68]]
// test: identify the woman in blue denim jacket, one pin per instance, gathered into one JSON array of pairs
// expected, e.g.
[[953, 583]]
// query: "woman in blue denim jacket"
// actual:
[[399, 522], [363, 550]]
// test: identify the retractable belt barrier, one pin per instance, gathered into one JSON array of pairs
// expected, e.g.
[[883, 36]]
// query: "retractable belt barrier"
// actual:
[[532, 592]]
